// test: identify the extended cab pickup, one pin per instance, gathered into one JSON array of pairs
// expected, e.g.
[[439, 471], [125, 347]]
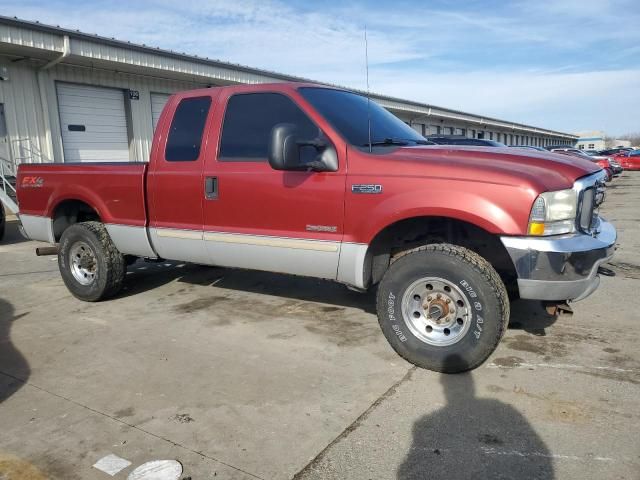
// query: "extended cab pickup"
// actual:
[[316, 181]]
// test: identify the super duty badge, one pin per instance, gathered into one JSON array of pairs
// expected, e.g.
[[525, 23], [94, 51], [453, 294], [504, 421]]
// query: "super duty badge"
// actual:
[[366, 188]]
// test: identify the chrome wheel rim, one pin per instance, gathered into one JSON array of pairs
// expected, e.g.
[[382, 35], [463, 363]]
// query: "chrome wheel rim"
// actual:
[[84, 264], [436, 311]]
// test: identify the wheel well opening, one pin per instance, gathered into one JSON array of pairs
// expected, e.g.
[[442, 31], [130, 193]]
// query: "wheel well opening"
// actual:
[[70, 212], [418, 231]]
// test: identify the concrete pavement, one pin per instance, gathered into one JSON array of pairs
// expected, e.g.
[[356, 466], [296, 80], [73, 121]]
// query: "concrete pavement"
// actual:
[[242, 374]]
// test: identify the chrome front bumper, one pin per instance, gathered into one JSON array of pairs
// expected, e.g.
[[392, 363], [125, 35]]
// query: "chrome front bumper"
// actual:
[[563, 267]]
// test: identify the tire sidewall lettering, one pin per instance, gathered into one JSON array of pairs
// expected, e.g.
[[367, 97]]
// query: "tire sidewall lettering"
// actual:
[[393, 317], [476, 307]]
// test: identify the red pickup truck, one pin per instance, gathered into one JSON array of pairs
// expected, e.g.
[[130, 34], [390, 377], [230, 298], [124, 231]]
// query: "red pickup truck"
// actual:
[[317, 181]]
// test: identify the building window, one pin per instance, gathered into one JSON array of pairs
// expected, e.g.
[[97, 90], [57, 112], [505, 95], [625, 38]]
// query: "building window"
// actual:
[[185, 135], [458, 131], [248, 122], [591, 146]]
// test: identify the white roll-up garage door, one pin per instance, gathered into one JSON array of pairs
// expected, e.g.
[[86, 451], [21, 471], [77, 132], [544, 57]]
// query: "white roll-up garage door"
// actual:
[[93, 123], [158, 101]]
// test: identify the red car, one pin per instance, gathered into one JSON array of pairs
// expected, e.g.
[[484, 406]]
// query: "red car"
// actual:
[[603, 162], [315, 181], [630, 160]]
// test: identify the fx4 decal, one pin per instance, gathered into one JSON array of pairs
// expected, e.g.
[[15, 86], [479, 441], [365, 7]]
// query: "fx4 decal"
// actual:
[[32, 182]]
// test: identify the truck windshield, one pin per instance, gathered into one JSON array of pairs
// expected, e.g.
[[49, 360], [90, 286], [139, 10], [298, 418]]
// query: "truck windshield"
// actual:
[[347, 113]]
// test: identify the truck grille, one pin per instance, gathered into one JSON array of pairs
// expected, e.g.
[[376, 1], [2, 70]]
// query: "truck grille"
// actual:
[[590, 199]]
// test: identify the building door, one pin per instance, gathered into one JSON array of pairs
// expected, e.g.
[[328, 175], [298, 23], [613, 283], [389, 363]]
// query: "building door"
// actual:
[[93, 123], [158, 101]]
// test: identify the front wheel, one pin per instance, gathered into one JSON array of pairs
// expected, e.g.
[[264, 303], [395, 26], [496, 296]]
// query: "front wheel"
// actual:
[[443, 307], [91, 266]]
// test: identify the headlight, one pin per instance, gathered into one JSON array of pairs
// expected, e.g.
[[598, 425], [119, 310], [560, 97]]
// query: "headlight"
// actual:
[[554, 213]]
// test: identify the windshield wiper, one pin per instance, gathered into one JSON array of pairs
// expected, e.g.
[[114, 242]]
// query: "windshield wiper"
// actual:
[[387, 141]]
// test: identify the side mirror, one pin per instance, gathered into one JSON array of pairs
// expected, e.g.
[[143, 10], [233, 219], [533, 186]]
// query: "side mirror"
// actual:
[[286, 144]]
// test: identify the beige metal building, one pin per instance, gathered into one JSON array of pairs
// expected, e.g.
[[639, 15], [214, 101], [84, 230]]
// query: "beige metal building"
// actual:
[[597, 140], [72, 96]]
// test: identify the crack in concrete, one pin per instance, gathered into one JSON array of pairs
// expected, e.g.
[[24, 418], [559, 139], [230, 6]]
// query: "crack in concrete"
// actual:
[[356, 423], [27, 273]]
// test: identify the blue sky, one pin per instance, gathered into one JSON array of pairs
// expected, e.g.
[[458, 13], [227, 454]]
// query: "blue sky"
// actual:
[[570, 65]]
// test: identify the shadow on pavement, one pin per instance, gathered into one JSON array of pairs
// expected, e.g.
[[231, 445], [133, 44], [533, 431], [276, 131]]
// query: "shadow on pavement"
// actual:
[[143, 277], [14, 368], [526, 315], [530, 316], [12, 234], [474, 438]]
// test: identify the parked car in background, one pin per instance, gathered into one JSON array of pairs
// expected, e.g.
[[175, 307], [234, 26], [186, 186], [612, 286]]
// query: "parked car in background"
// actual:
[[530, 147], [631, 160], [615, 151], [558, 147], [604, 162], [460, 140], [615, 165]]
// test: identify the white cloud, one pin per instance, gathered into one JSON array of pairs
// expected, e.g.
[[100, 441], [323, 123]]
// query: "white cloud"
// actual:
[[562, 101], [489, 61]]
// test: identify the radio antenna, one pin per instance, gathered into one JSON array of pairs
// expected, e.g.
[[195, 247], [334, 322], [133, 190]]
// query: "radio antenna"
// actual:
[[366, 61]]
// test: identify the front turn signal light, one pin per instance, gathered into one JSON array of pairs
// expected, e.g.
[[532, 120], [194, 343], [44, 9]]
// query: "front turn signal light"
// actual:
[[536, 228]]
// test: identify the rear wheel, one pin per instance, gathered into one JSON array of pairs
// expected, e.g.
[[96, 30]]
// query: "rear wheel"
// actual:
[[442, 307], [91, 266]]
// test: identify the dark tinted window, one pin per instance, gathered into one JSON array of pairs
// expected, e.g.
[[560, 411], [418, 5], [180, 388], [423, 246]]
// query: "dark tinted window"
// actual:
[[249, 120], [348, 113], [185, 134]]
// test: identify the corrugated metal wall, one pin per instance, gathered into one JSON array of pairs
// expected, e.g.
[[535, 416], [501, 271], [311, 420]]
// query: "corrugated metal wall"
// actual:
[[27, 37], [26, 120], [23, 111]]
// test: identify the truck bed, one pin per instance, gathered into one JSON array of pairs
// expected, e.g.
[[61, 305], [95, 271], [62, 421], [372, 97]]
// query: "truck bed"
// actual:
[[115, 190]]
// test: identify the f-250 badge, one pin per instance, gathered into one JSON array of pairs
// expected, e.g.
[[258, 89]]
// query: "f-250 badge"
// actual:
[[366, 188]]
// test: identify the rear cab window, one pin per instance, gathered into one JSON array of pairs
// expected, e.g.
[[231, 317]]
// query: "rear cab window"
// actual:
[[187, 126]]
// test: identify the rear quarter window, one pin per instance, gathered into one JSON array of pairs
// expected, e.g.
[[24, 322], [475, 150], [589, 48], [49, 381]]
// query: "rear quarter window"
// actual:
[[185, 134]]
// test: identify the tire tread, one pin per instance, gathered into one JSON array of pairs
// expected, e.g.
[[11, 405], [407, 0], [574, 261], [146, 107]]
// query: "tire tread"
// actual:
[[116, 264]]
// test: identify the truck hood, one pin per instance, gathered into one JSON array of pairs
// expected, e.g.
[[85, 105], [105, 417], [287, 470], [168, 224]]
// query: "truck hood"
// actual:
[[543, 171]]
